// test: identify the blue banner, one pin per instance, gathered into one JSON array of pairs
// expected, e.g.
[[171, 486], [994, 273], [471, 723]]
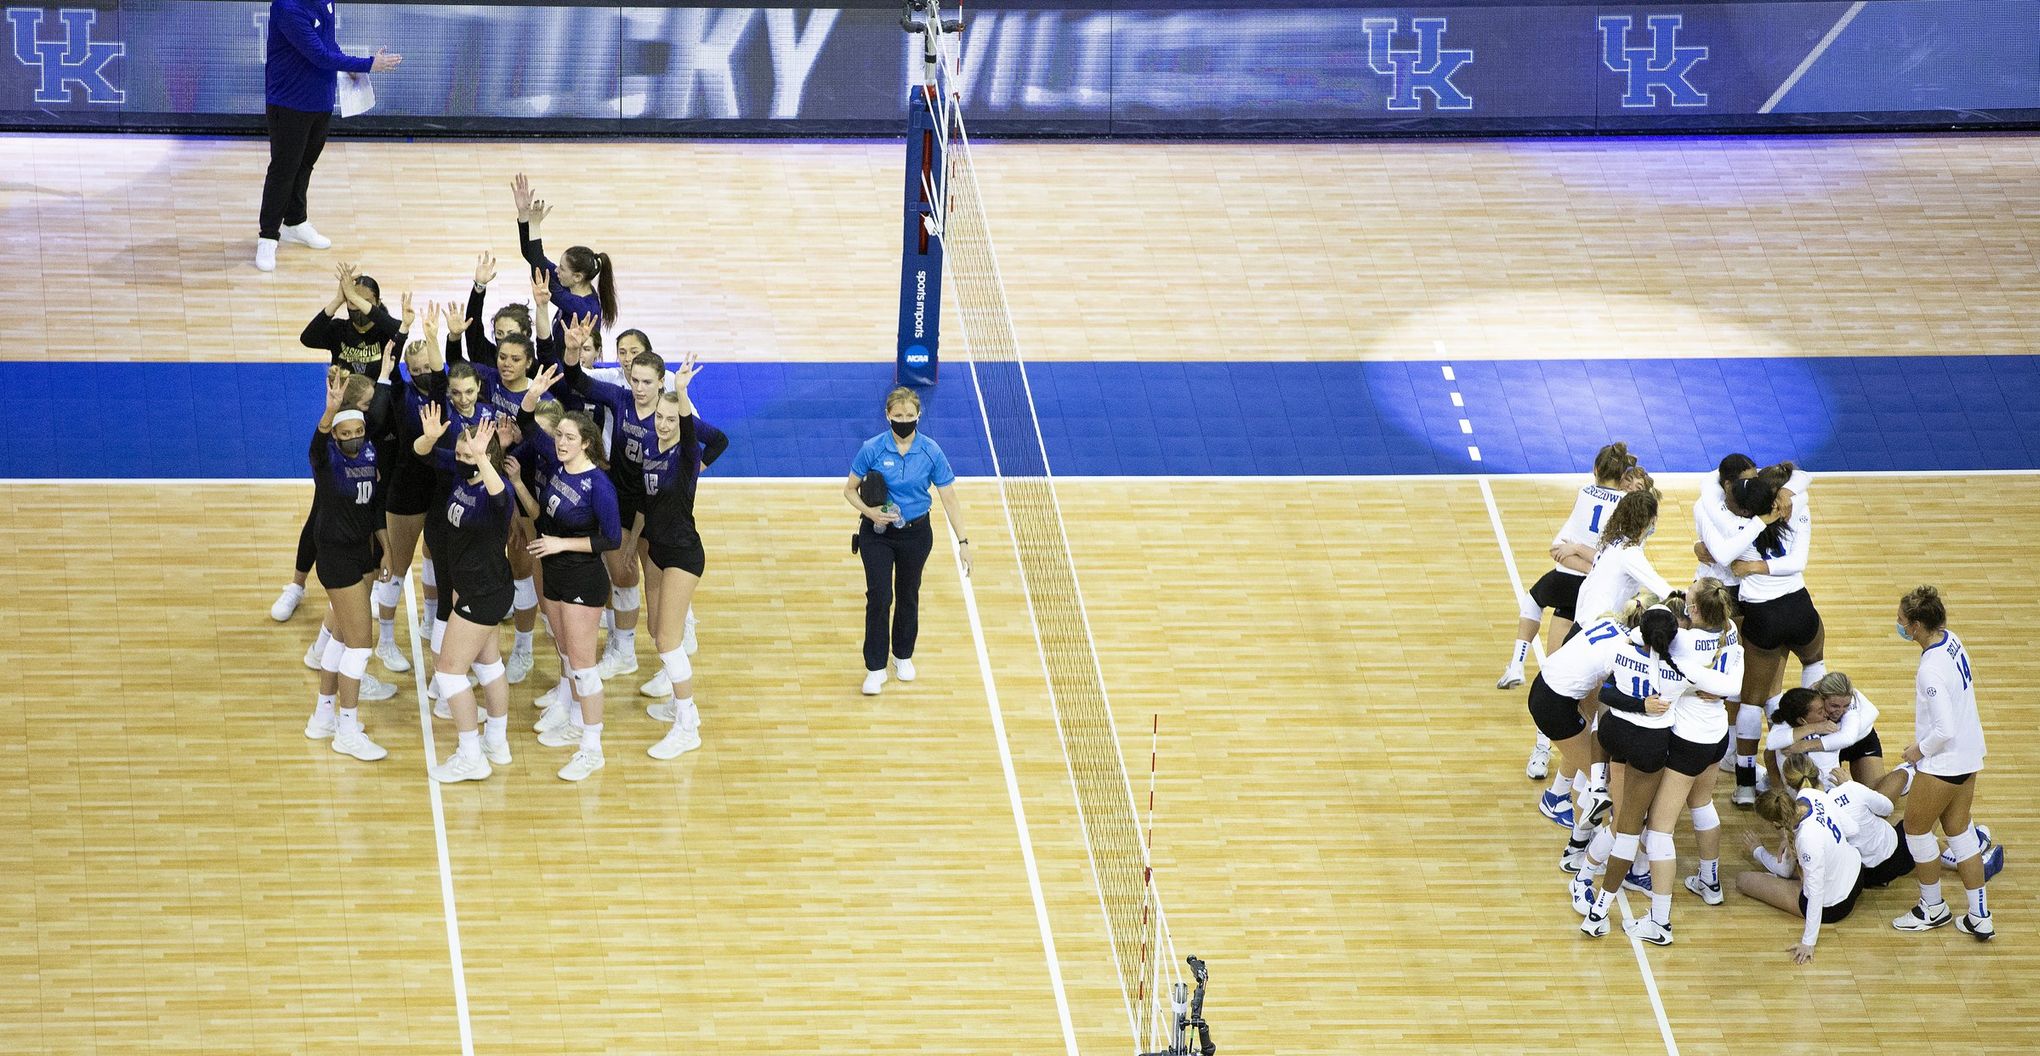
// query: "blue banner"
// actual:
[[1187, 68]]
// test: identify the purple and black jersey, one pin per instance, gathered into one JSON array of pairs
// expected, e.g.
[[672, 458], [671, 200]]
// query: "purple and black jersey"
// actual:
[[632, 435], [668, 479], [478, 526], [566, 303], [576, 504], [347, 497]]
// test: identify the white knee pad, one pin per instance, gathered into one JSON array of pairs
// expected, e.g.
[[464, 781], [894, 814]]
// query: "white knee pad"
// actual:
[[447, 686], [526, 595], [1964, 845], [388, 592], [354, 663], [1924, 847], [487, 673], [1809, 674], [587, 681], [1658, 846], [1706, 818], [1749, 722], [677, 667], [425, 573], [1527, 607], [1625, 846], [1601, 844], [330, 659], [624, 599]]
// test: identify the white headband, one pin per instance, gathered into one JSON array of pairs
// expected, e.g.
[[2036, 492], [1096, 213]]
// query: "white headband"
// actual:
[[350, 415]]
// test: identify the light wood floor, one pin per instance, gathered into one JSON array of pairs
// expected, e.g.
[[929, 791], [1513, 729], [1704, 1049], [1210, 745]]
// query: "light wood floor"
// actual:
[[1344, 831], [1813, 245]]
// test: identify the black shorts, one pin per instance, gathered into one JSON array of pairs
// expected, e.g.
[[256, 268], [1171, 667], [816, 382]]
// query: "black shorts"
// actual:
[[409, 492], [342, 565], [1559, 592], [688, 556], [1781, 623], [1641, 748], [487, 608], [1899, 864], [629, 507], [1958, 779], [1557, 716], [1692, 759], [1867, 747], [1838, 912], [577, 579]]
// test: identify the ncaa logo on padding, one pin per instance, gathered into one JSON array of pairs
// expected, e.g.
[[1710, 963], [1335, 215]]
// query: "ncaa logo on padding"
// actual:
[[76, 59], [1661, 64], [1427, 68]]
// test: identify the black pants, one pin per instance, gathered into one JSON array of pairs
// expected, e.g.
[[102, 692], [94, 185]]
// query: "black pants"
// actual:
[[893, 561], [307, 548], [295, 139]]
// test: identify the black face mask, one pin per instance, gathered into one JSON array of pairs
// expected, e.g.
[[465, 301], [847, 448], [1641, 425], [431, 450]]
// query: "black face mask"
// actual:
[[350, 448], [904, 429]]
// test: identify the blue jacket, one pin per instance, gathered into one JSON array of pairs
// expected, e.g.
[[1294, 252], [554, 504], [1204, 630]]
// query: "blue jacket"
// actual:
[[304, 57]]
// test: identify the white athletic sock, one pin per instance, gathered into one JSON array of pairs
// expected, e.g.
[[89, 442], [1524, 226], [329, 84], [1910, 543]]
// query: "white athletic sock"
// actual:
[[324, 639], [1811, 673], [591, 738], [623, 639], [497, 727], [1930, 894], [1579, 783], [324, 710], [1597, 775], [684, 715], [470, 743], [1977, 908], [1710, 871], [349, 720], [1560, 783], [389, 631], [1522, 650], [523, 642], [1661, 909], [1604, 895]]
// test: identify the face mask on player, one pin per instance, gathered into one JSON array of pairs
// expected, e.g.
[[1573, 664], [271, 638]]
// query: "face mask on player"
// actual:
[[1902, 632], [350, 448], [904, 429]]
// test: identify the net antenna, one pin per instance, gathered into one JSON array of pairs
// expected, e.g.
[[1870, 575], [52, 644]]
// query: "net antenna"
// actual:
[[1161, 1014]]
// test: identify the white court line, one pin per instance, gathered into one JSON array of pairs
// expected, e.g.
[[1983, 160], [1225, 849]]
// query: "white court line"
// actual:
[[977, 633], [1657, 1003], [460, 997], [1819, 49]]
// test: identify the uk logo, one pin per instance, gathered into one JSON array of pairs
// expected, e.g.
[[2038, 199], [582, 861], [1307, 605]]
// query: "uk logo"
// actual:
[[1429, 67], [1660, 66], [75, 60]]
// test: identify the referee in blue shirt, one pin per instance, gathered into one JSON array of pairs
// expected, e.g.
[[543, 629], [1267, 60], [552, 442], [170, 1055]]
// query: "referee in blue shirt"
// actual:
[[300, 82], [894, 539]]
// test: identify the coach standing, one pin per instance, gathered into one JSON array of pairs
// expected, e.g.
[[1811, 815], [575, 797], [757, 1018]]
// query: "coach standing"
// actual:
[[301, 80]]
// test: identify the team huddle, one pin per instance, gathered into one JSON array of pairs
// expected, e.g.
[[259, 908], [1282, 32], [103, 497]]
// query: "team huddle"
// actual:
[[1649, 693], [543, 489]]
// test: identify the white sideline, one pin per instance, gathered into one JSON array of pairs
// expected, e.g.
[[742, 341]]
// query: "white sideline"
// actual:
[[460, 997]]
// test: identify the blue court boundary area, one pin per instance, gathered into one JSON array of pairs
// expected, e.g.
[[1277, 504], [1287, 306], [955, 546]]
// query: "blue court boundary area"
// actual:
[[253, 420]]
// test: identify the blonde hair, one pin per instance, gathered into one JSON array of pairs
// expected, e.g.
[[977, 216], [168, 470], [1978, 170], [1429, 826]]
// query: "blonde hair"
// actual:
[[358, 392], [1800, 771], [1779, 807], [1834, 684], [549, 411], [1631, 613], [1710, 604], [900, 395]]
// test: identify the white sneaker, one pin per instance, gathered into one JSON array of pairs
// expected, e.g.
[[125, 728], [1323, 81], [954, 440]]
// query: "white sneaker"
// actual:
[[1650, 931], [265, 254], [687, 641], [304, 235], [665, 711], [1979, 928], [1923, 918], [460, 767], [1539, 765], [286, 603], [873, 682], [677, 741], [392, 660], [659, 686], [312, 656], [1709, 893], [553, 718], [1511, 678], [357, 744], [566, 735], [903, 669], [616, 662], [1594, 927], [1744, 796], [319, 729], [548, 698], [1581, 891], [581, 765], [374, 689], [518, 667], [496, 751]]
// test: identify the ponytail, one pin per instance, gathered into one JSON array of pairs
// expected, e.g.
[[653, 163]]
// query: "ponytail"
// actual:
[[605, 288], [1659, 629]]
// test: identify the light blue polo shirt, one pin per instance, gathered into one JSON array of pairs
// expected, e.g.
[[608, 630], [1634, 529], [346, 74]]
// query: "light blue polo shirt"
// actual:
[[907, 476]]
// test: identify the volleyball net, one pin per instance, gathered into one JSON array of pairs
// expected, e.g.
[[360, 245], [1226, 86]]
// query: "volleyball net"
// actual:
[[1151, 979]]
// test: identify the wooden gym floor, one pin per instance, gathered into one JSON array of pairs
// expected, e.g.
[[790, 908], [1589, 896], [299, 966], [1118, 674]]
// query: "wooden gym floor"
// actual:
[[1344, 831]]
